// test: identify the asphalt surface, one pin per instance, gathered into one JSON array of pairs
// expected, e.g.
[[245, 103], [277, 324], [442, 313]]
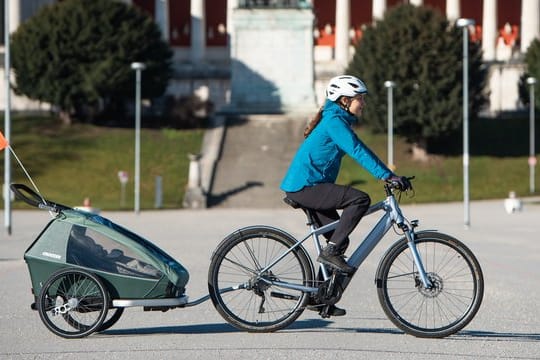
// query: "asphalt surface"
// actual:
[[507, 325]]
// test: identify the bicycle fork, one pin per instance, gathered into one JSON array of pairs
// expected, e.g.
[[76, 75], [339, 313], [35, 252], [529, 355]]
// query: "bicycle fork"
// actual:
[[410, 235]]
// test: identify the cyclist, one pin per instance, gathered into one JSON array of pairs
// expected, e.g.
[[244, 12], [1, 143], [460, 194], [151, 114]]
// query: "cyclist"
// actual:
[[310, 179]]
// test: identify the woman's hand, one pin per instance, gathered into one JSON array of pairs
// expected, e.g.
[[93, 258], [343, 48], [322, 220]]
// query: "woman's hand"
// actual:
[[400, 182]]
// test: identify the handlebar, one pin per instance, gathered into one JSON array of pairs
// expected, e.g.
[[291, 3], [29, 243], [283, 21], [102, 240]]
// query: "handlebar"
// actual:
[[29, 196]]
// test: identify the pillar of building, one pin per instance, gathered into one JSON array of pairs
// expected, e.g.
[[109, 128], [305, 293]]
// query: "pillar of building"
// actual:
[[343, 11], [378, 9], [14, 14], [231, 5], [453, 12], [530, 23], [198, 33], [489, 29], [162, 18]]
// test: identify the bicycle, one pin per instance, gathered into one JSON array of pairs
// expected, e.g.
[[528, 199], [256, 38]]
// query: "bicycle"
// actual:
[[429, 284]]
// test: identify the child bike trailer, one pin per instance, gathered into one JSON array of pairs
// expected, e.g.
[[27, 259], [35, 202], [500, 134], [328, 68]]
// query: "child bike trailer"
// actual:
[[85, 270]]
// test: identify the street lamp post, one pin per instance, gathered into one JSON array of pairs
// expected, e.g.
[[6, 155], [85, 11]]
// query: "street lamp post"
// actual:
[[390, 86], [532, 151], [138, 67], [7, 122], [465, 23]]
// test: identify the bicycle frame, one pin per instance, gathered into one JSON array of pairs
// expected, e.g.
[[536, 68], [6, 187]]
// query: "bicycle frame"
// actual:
[[392, 215]]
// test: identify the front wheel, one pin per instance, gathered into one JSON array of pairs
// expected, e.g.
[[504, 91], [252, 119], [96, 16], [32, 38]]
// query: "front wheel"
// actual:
[[257, 305], [449, 304]]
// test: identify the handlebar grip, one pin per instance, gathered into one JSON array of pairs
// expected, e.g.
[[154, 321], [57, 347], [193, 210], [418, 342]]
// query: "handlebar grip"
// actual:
[[32, 198], [29, 196]]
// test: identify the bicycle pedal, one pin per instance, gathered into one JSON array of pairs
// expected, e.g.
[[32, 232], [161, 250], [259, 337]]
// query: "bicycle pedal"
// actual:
[[317, 307], [324, 312]]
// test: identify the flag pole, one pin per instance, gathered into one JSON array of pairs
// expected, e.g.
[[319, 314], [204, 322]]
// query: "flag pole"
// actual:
[[27, 174], [4, 143]]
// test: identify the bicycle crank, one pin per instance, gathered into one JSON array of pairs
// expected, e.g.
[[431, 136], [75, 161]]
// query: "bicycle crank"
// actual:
[[330, 291]]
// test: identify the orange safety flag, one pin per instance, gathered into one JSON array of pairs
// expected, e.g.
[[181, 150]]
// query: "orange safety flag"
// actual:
[[3, 142]]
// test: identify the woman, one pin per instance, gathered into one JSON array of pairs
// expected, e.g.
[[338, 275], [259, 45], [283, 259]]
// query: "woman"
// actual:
[[310, 180]]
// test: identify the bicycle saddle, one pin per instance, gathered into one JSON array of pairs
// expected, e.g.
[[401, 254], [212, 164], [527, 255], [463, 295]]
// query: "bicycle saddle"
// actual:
[[292, 203], [310, 214]]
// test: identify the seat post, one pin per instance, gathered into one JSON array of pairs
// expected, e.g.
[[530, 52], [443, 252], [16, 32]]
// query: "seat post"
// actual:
[[310, 217], [309, 213]]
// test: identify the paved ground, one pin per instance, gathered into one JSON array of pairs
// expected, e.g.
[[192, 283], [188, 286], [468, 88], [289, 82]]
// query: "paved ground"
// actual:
[[506, 327]]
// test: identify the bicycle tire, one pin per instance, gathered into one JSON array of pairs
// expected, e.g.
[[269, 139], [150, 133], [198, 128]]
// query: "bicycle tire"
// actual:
[[452, 302], [79, 297], [115, 313], [112, 317], [258, 306]]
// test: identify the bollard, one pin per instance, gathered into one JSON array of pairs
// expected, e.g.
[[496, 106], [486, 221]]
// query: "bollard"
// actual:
[[158, 203], [194, 197], [512, 203], [194, 177], [87, 206]]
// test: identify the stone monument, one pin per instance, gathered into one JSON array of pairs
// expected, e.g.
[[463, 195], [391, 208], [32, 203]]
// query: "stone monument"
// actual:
[[272, 69]]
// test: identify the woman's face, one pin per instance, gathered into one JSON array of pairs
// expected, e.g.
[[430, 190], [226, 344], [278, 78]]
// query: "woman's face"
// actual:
[[355, 104]]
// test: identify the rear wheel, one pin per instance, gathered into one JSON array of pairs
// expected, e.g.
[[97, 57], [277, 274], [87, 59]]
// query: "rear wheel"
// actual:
[[73, 303], [456, 292], [112, 317], [257, 305]]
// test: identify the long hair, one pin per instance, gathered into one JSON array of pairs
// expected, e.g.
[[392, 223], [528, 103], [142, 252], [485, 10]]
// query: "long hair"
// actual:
[[313, 123]]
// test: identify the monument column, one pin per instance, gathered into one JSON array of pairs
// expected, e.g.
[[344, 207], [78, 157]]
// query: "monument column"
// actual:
[[198, 31], [530, 24], [272, 67], [453, 11], [489, 29], [343, 13]]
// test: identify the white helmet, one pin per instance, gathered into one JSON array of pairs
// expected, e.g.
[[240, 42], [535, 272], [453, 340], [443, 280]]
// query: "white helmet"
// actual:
[[345, 85]]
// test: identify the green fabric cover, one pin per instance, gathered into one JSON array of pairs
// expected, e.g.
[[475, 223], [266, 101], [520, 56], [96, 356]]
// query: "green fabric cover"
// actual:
[[135, 268]]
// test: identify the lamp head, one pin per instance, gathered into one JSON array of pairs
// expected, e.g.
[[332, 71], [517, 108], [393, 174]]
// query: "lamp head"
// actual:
[[138, 66], [462, 22]]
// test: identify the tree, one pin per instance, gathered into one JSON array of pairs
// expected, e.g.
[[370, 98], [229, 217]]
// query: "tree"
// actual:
[[417, 49], [532, 60], [74, 53]]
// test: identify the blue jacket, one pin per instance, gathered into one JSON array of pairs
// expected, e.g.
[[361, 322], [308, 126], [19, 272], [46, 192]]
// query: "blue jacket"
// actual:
[[318, 159]]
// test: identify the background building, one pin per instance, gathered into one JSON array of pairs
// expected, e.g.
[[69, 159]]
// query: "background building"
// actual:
[[201, 33]]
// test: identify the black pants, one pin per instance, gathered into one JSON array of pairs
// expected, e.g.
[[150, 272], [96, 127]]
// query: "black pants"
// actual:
[[325, 200]]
